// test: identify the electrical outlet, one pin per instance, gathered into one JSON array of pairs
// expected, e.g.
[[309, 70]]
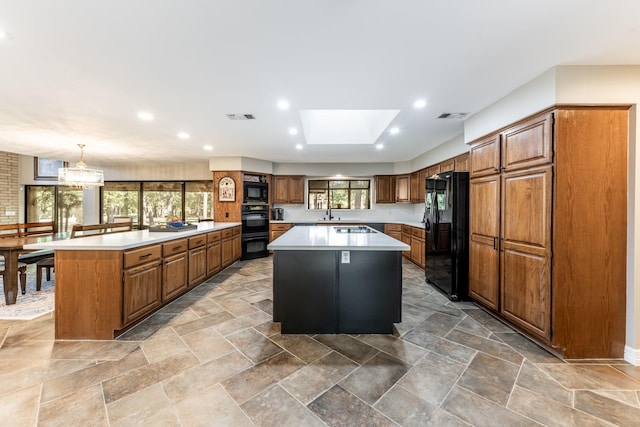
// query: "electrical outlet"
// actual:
[[346, 257], [226, 214]]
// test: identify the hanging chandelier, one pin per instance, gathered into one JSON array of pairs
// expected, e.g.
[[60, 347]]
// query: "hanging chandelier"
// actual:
[[81, 176]]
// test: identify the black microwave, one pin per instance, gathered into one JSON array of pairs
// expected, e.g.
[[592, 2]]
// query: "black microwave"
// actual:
[[256, 193]]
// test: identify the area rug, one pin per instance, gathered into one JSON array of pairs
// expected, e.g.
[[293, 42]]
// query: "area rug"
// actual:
[[32, 304]]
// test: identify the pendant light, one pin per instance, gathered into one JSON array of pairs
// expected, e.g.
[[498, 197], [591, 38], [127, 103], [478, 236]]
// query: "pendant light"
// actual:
[[81, 176]]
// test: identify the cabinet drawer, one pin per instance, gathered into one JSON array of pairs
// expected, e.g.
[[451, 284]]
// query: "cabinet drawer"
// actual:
[[417, 232], [392, 227], [174, 247], [196, 241], [226, 233], [280, 227], [214, 236], [236, 230], [406, 229], [142, 255]]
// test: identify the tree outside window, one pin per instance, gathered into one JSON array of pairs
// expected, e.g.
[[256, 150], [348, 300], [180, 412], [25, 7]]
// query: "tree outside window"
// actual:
[[339, 194]]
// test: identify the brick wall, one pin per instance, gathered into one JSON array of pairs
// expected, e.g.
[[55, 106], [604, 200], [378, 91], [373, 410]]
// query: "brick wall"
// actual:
[[8, 187]]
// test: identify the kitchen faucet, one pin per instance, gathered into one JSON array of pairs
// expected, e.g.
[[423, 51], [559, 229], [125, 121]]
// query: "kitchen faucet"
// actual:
[[329, 213]]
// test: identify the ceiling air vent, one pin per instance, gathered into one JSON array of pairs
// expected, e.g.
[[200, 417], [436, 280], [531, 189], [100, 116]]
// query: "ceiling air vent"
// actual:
[[240, 116], [452, 115]]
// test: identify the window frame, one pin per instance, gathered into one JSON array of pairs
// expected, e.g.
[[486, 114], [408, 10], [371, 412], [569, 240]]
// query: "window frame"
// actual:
[[350, 189]]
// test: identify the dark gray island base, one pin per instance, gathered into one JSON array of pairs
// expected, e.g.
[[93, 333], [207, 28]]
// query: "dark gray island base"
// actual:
[[317, 292]]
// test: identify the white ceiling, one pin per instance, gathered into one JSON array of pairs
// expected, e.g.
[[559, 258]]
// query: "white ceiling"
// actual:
[[78, 71]]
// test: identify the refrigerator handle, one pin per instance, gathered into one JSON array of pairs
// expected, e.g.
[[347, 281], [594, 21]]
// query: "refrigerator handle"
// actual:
[[435, 232]]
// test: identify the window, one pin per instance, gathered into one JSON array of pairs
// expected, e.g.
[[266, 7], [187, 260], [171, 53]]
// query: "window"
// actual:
[[47, 169], [197, 200], [53, 203], [161, 200], [339, 194], [121, 199]]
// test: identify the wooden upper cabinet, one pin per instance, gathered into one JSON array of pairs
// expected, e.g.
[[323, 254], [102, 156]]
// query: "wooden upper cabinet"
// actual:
[[447, 165], [385, 188], [432, 170], [527, 144], [414, 190], [288, 189], [461, 163], [422, 185], [484, 157], [403, 189]]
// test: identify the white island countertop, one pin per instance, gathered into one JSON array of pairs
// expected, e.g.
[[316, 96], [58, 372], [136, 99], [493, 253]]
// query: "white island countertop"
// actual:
[[312, 238], [128, 239]]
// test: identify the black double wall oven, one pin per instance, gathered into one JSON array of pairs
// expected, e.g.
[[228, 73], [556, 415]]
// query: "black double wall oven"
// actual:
[[255, 231]]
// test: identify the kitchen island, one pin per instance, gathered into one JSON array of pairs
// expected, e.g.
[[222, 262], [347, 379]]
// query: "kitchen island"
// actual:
[[337, 279], [108, 283]]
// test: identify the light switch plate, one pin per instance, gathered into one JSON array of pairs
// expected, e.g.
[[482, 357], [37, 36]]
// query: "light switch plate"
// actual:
[[346, 257]]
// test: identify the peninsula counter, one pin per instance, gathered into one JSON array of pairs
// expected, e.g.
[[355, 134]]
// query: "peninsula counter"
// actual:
[[337, 279], [108, 283]]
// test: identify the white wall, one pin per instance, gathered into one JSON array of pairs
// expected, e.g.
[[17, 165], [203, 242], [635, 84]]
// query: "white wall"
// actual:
[[529, 98], [451, 148], [584, 85]]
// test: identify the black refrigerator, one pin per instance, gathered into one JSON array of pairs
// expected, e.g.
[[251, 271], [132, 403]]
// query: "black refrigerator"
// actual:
[[447, 233]]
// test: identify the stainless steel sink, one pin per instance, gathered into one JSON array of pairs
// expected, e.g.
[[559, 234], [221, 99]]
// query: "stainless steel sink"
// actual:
[[354, 229]]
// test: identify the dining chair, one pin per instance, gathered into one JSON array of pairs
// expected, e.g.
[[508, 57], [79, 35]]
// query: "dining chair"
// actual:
[[22, 274]]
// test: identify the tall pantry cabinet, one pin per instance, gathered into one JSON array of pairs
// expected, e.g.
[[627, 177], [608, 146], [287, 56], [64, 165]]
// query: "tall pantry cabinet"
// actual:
[[547, 248]]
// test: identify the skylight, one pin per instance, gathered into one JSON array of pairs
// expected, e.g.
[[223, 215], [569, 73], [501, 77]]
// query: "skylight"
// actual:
[[345, 126]]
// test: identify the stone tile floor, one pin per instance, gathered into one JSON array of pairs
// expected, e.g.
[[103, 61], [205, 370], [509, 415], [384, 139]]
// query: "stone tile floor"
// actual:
[[214, 357]]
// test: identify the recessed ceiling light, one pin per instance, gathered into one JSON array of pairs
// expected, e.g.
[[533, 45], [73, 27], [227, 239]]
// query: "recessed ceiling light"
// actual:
[[184, 135], [145, 115], [207, 147], [293, 131], [379, 146], [420, 103], [283, 104], [298, 146], [394, 130]]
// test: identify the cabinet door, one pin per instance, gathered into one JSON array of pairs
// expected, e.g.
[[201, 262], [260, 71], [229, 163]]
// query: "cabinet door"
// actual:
[[422, 185], [236, 248], [141, 290], [484, 227], [484, 157], [447, 165], [528, 144], [174, 276], [296, 189], [406, 238], [280, 189], [432, 170], [526, 249], [414, 189], [462, 163], [402, 189], [214, 258], [226, 252], [197, 265], [385, 189]]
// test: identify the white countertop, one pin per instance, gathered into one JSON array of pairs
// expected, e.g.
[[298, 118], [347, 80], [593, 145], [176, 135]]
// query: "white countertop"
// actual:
[[411, 223], [324, 237], [128, 239]]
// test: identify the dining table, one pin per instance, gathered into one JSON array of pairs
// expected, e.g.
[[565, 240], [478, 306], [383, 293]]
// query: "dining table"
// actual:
[[10, 249]]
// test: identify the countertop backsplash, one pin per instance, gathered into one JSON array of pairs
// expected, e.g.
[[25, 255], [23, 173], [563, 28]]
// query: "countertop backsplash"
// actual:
[[378, 213]]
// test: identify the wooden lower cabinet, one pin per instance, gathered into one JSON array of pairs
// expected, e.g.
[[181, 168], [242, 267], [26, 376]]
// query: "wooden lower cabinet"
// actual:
[[197, 259], [214, 253], [175, 267], [141, 283], [417, 251], [484, 235], [226, 248], [277, 230], [236, 243], [102, 293], [525, 250]]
